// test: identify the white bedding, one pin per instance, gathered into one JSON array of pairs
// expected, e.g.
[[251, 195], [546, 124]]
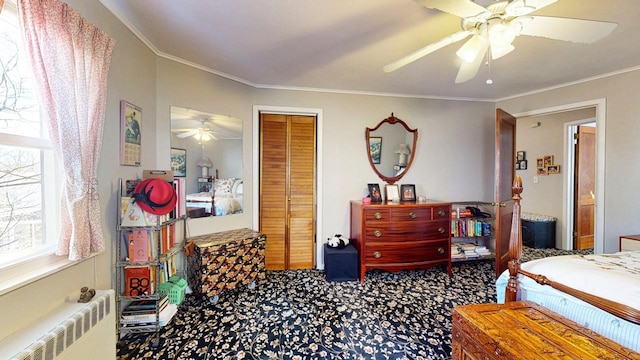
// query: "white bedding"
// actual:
[[228, 197], [612, 276]]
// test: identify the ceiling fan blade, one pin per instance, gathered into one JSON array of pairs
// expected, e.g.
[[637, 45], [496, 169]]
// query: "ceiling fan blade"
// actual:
[[187, 133], [407, 59], [524, 7], [566, 29], [467, 70], [461, 8]]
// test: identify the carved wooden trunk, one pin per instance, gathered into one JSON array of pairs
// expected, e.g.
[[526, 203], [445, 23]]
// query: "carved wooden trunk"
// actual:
[[225, 260], [401, 236], [525, 330]]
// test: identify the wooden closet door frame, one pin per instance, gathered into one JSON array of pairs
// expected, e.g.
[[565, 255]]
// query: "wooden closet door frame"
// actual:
[[257, 109]]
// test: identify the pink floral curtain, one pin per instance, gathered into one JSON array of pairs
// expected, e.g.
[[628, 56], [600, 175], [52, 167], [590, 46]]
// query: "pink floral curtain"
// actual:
[[1, 4], [70, 58]]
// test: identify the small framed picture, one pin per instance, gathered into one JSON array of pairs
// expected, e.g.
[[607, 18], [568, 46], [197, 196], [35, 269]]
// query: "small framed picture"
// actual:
[[392, 192], [553, 169], [540, 163], [520, 155], [374, 192], [523, 165], [179, 162], [542, 171], [408, 192], [517, 165], [375, 148], [548, 160]]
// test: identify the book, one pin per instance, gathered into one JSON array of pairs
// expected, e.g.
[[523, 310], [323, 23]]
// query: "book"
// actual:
[[131, 213], [145, 320], [146, 304], [139, 245], [137, 281]]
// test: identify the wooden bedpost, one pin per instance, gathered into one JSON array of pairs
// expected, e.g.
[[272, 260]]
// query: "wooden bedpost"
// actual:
[[515, 243]]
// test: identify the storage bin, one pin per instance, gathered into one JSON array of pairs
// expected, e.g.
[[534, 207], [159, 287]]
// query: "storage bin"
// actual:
[[175, 289], [538, 231], [341, 264]]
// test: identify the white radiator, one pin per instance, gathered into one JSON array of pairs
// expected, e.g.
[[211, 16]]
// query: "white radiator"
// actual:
[[86, 331]]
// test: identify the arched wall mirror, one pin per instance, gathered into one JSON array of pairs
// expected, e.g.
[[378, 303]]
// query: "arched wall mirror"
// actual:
[[391, 147], [207, 150]]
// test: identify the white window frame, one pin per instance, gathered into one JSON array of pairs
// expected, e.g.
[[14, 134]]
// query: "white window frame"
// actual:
[[42, 262]]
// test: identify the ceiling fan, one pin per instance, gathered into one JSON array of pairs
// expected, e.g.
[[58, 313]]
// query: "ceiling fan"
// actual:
[[493, 28], [202, 133]]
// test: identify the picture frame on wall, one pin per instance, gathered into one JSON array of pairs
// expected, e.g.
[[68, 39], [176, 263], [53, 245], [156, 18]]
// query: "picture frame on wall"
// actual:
[[130, 134], [542, 171], [375, 148], [179, 162], [540, 163], [553, 169], [520, 155], [374, 192], [523, 165], [392, 192], [548, 160], [408, 192]]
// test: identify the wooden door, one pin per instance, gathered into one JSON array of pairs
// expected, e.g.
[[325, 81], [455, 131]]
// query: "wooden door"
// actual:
[[585, 171], [287, 190], [505, 172]]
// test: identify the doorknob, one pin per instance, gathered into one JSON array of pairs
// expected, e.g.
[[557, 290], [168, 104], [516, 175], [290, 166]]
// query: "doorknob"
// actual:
[[593, 196]]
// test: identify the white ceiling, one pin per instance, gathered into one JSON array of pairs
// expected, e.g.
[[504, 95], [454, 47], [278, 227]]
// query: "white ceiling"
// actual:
[[342, 45]]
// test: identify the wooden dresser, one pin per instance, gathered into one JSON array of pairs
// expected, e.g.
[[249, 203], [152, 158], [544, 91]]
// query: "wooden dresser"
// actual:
[[525, 330], [401, 236]]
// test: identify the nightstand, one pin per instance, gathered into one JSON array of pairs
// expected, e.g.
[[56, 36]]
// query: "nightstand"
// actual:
[[630, 243]]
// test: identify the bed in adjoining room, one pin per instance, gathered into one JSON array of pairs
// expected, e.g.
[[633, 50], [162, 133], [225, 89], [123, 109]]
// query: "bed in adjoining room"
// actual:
[[599, 291], [225, 198]]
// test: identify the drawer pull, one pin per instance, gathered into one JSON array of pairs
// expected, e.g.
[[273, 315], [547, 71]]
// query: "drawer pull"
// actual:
[[377, 233], [440, 250], [377, 215], [377, 254], [441, 213], [412, 215], [441, 230]]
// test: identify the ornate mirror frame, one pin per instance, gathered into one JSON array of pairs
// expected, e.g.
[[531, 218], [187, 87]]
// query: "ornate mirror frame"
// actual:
[[392, 120]]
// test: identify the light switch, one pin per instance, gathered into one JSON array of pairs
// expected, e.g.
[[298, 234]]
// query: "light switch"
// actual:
[[535, 179]]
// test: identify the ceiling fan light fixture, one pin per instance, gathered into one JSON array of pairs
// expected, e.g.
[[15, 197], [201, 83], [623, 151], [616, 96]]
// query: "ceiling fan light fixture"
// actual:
[[498, 52], [472, 48], [501, 34]]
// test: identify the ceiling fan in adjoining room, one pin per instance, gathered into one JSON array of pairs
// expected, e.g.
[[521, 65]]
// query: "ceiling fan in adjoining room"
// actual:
[[492, 30]]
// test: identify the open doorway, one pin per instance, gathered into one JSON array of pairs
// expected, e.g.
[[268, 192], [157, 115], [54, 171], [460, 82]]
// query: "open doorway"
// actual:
[[558, 199]]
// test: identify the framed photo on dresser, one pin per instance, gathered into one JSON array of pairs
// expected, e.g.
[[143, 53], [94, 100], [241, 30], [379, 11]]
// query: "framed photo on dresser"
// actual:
[[408, 192], [391, 192]]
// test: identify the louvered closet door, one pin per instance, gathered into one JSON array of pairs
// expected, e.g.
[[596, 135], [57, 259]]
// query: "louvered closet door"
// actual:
[[287, 190]]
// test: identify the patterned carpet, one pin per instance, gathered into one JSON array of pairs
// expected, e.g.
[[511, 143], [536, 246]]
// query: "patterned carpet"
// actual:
[[300, 315]]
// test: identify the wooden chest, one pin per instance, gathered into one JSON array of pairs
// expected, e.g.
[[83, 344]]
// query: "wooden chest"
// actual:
[[525, 330], [225, 260], [401, 236]]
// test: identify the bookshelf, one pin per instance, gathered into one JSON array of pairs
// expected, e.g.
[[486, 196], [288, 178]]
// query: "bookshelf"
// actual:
[[472, 235], [149, 265]]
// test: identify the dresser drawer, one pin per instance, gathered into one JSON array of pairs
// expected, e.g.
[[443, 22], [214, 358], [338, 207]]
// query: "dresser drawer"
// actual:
[[442, 212], [406, 231], [376, 215], [407, 252], [411, 214]]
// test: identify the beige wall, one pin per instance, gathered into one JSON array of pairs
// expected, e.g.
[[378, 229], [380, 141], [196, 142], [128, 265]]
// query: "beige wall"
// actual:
[[622, 94]]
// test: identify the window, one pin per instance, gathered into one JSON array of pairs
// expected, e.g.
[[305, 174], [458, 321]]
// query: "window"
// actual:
[[28, 184]]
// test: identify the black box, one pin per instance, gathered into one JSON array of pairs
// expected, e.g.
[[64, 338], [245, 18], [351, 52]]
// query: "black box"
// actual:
[[341, 264], [539, 234]]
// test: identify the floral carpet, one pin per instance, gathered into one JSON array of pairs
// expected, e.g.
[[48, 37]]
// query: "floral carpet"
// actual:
[[300, 315]]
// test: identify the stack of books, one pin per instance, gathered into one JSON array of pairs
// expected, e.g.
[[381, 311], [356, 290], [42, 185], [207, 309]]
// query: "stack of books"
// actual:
[[456, 253], [483, 251], [142, 313]]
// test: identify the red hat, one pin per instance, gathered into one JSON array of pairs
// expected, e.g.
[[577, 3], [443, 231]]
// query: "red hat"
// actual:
[[155, 196]]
